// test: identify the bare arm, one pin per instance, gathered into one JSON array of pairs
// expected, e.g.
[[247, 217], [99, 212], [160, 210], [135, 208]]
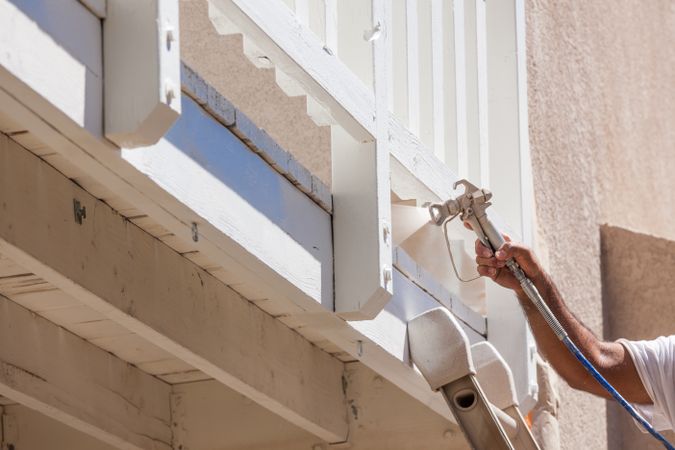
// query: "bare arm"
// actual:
[[610, 358]]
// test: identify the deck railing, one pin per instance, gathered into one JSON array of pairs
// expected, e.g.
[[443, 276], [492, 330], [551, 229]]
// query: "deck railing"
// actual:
[[418, 93]]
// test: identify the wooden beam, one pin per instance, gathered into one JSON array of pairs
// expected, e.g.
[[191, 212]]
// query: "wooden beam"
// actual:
[[29, 429], [51, 103], [49, 125], [136, 280], [70, 380], [208, 415]]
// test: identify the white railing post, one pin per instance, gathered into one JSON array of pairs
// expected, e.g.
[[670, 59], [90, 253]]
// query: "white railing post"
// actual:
[[476, 95], [438, 47], [512, 182], [460, 90], [482, 97], [362, 204], [331, 25], [412, 46]]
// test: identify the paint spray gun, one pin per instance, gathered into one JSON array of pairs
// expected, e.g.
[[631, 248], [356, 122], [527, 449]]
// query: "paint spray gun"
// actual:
[[471, 207]]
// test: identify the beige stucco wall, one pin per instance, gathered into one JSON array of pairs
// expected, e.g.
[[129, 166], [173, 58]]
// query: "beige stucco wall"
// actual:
[[638, 298], [601, 81], [221, 61]]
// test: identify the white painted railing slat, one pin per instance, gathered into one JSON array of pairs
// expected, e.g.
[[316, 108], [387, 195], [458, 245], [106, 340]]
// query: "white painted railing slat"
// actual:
[[412, 46], [331, 25], [460, 90], [438, 79], [426, 125], [482, 91]]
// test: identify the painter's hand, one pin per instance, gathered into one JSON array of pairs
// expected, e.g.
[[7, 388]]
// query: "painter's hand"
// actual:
[[494, 266]]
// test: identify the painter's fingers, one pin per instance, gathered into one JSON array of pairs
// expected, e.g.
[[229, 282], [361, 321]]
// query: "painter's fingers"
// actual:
[[489, 272], [523, 256], [490, 262], [468, 226], [482, 250]]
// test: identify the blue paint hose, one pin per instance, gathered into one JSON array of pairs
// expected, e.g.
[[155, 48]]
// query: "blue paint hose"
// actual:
[[493, 239]]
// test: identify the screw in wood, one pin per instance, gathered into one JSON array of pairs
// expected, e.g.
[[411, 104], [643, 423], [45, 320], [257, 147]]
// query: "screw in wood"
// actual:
[[79, 211]]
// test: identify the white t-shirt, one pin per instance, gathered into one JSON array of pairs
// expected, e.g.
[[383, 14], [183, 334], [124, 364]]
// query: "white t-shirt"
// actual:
[[655, 363]]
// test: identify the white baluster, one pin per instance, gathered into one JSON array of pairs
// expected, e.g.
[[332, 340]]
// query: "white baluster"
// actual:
[[460, 90], [437, 75], [413, 66]]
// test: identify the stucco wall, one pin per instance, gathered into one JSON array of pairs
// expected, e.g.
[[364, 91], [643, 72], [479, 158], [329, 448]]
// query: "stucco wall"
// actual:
[[221, 61], [602, 112], [638, 293]]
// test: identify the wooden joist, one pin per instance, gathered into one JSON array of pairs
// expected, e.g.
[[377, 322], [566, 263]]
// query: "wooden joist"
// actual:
[[71, 380], [127, 275]]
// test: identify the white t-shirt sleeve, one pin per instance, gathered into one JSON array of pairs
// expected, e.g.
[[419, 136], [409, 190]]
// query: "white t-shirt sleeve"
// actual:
[[655, 363]]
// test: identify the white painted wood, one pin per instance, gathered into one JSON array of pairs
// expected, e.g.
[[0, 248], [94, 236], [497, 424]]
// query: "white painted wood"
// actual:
[[438, 56], [460, 89], [302, 11], [513, 183], [70, 380], [361, 202], [301, 55], [437, 180], [472, 112], [142, 70], [425, 68], [355, 51], [205, 166], [412, 47], [331, 26], [177, 306], [482, 97], [358, 228], [390, 30], [426, 281], [416, 172], [399, 60], [45, 43], [416, 165], [450, 87]]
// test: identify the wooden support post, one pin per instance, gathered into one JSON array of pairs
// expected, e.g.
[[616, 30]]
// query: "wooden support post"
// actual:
[[142, 70], [361, 201], [52, 371], [136, 280]]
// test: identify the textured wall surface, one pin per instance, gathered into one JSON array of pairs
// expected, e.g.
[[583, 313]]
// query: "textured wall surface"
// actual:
[[639, 303], [602, 121], [221, 62]]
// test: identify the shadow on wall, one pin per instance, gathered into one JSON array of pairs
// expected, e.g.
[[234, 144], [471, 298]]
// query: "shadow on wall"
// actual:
[[222, 63], [638, 298]]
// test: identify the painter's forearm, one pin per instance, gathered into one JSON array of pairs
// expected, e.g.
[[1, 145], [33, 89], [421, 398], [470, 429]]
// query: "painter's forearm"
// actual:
[[551, 347]]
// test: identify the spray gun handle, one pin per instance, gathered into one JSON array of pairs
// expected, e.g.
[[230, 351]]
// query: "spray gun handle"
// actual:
[[495, 240], [491, 233]]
